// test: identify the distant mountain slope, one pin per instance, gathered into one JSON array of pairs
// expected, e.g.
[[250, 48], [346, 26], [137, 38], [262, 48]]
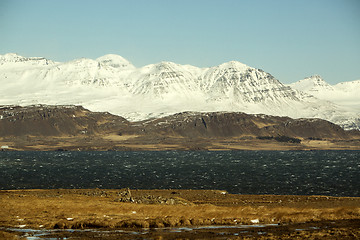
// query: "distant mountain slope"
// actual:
[[111, 83], [344, 94], [163, 80], [237, 82], [313, 84]]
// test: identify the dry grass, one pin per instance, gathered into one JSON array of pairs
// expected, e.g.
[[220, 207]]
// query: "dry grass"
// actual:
[[81, 211], [8, 235], [139, 142], [119, 138], [152, 147], [262, 124], [323, 144], [254, 145]]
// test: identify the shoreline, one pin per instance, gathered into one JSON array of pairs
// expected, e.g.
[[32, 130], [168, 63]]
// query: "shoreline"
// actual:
[[114, 209], [163, 149]]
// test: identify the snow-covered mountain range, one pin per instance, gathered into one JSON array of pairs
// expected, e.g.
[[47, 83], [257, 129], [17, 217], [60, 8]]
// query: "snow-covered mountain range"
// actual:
[[345, 94], [111, 83]]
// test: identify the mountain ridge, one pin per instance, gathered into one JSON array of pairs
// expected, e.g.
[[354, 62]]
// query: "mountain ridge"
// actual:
[[343, 94], [111, 83]]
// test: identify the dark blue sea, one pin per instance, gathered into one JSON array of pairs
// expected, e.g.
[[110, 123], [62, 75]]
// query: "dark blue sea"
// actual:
[[332, 173]]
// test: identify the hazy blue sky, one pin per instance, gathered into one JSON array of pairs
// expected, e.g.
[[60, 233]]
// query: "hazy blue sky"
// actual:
[[290, 39]]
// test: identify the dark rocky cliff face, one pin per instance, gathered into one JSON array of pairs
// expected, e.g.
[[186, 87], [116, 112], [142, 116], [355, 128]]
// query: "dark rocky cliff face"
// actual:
[[43, 120]]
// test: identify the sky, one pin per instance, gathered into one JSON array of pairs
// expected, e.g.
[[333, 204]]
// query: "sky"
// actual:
[[289, 39]]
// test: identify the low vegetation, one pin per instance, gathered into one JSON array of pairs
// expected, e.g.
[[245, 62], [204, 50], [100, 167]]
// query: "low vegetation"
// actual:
[[281, 139]]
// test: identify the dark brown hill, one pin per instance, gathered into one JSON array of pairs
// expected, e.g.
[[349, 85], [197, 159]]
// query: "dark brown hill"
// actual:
[[45, 120], [232, 124], [43, 127]]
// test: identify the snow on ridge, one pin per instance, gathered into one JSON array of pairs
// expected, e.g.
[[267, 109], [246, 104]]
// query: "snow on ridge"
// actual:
[[314, 83], [234, 65], [164, 79], [13, 59], [111, 83], [344, 95], [318, 87], [349, 86], [115, 61]]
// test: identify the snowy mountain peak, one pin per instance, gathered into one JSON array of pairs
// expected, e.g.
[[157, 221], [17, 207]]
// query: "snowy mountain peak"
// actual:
[[166, 65], [317, 80], [314, 83], [11, 58], [238, 83], [164, 79], [235, 65], [163, 68], [115, 61]]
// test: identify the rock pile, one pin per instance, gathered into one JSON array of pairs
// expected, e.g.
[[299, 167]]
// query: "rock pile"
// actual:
[[125, 196]]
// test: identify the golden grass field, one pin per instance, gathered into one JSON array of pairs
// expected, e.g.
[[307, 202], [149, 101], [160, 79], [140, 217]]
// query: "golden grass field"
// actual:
[[104, 209]]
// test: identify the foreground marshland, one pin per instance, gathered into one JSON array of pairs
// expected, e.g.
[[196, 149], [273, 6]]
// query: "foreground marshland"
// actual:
[[175, 214]]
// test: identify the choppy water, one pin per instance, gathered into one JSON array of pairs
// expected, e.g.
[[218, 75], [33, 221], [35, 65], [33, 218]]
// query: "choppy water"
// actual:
[[334, 173]]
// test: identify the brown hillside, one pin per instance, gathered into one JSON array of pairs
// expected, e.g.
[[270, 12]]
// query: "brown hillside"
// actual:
[[43, 127], [44, 120]]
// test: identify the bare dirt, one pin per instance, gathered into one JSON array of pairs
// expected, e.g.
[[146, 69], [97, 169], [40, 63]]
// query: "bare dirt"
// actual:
[[176, 214]]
